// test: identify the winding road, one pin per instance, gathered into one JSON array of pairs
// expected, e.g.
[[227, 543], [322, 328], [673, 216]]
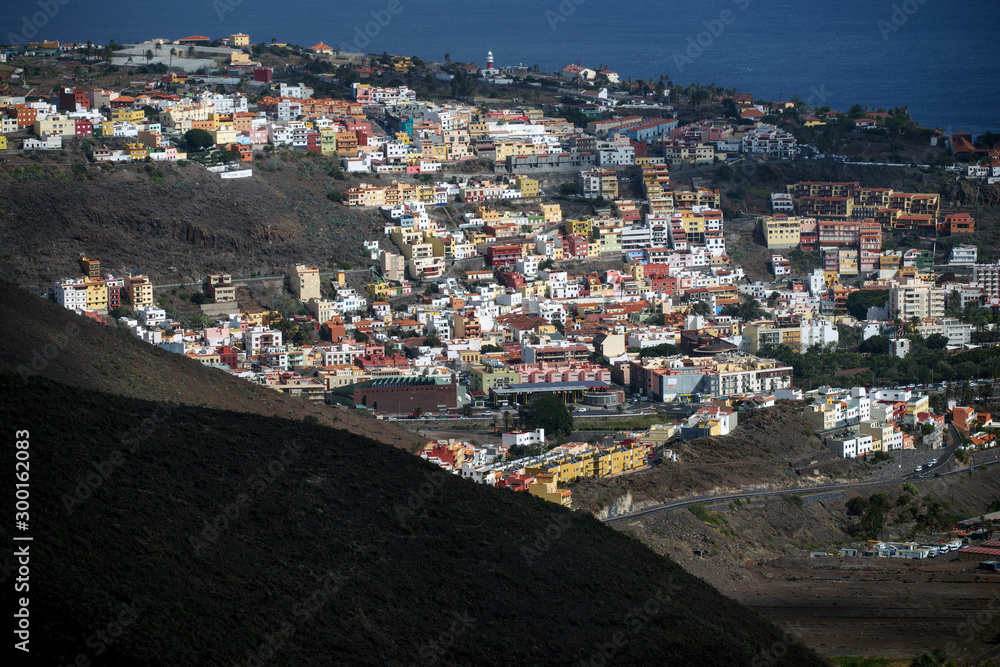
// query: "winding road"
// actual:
[[937, 470]]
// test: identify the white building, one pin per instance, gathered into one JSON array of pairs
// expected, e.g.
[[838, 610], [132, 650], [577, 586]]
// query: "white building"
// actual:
[[523, 438], [257, 338], [71, 294], [782, 202], [151, 316], [850, 447], [962, 255], [987, 276]]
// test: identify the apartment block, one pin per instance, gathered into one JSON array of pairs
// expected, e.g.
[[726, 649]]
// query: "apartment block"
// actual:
[[219, 286], [915, 298], [139, 290], [780, 231], [304, 281]]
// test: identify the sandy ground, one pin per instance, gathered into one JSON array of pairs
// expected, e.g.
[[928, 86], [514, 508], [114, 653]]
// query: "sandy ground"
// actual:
[[878, 607]]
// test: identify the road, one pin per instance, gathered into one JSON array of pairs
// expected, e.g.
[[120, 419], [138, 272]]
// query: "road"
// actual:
[[694, 500], [240, 281]]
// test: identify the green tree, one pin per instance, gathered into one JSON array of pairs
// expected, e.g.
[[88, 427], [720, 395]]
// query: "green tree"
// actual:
[[859, 301], [198, 139], [936, 342], [547, 412], [508, 421], [661, 350], [703, 308], [570, 188]]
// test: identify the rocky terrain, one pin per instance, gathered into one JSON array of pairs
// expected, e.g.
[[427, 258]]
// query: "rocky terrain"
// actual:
[[175, 222], [771, 448]]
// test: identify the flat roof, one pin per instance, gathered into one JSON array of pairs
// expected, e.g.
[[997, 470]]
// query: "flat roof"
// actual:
[[529, 387]]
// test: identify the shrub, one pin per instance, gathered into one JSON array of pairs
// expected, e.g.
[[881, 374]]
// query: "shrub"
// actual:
[[795, 499], [704, 515]]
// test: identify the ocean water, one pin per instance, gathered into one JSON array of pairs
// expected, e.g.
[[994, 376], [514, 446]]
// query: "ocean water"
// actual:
[[938, 57]]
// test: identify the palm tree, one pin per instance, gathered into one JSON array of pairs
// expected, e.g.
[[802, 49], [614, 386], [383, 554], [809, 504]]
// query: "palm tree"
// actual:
[[494, 422], [159, 45], [191, 51], [149, 55], [173, 52], [507, 421]]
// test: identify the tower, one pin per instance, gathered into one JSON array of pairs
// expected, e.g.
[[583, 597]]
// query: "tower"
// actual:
[[489, 60]]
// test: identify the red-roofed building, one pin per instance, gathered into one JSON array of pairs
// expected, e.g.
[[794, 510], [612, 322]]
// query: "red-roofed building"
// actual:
[[958, 223], [84, 128], [964, 419], [516, 481], [503, 255], [322, 48], [196, 40], [227, 356], [865, 124], [752, 114]]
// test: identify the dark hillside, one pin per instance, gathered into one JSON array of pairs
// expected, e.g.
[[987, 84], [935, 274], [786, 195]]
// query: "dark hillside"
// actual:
[[211, 537], [175, 222], [39, 337]]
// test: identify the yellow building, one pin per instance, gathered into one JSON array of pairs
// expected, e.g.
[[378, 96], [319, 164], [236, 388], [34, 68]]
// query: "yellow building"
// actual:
[[97, 294], [304, 281], [579, 227], [848, 261], [139, 290], [225, 133], [91, 268], [505, 149], [55, 124], [919, 404], [881, 434], [3, 143], [608, 239], [781, 232], [552, 213], [127, 116], [239, 39], [136, 150], [328, 140], [545, 487], [204, 359], [485, 379], [527, 186]]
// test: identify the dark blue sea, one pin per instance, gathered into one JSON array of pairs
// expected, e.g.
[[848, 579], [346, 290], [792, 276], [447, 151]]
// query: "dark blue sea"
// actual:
[[939, 57]]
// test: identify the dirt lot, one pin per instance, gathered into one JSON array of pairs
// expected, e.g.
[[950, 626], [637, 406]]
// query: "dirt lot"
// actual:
[[886, 607]]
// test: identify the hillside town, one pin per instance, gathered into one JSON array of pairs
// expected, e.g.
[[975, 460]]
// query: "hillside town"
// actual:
[[484, 291]]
